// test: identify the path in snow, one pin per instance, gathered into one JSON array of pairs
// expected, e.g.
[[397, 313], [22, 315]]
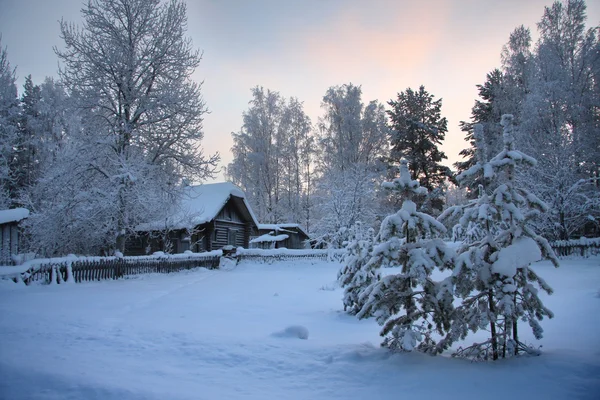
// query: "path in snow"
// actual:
[[210, 335]]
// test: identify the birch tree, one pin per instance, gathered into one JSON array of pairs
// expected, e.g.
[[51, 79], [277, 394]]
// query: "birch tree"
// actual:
[[129, 66]]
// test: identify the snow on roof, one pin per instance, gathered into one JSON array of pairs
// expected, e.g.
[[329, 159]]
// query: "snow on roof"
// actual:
[[199, 204], [14, 215], [281, 227], [269, 238]]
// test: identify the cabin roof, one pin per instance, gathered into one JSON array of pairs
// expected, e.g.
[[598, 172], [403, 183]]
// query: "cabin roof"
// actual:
[[200, 204]]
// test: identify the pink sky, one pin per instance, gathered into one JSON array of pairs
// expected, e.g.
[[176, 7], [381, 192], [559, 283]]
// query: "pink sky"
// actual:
[[300, 48]]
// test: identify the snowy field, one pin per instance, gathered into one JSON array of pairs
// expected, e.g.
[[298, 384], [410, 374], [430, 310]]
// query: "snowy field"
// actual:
[[222, 335]]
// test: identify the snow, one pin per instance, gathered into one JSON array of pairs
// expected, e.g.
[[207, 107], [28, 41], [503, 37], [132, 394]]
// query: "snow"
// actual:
[[13, 215], [199, 204], [282, 227], [521, 253], [293, 331], [269, 238], [209, 334]]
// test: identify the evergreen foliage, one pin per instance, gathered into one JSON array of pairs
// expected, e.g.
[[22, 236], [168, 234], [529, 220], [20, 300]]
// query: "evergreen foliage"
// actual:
[[353, 277], [492, 275], [410, 305], [417, 131]]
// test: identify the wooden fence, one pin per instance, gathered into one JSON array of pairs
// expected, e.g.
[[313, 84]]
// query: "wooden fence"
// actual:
[[270, 258], [95, 270], [274, 255], [566, 248]]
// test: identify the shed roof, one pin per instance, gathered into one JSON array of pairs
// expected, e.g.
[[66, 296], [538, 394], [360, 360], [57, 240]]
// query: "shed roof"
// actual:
[[13, 215], [282, 227]]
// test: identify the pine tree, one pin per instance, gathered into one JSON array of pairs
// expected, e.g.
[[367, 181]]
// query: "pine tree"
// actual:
[[353, 277], [409, 304], [492, 274], [485, 112], [417, 131]]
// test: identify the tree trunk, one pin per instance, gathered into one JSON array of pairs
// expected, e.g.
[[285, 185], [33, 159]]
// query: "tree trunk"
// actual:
[[515, 332], [493, 326]]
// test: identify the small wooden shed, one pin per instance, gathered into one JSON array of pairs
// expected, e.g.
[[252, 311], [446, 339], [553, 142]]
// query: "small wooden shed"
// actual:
[[10, 233], [288, 235], [208, 217]]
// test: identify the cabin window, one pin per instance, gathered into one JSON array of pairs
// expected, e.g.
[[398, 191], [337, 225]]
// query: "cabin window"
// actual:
[[215, 235], [232, 236]]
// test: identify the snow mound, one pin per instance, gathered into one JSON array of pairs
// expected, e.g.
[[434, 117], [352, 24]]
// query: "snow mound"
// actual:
[[293, 331], [227, 264]]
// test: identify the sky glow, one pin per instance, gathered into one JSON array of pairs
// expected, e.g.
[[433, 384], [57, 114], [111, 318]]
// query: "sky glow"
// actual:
[[300, 48]]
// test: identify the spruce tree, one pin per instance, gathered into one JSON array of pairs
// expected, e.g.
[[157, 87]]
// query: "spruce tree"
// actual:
[[417, 131], [353, 277], [409, 304], [492, 274]]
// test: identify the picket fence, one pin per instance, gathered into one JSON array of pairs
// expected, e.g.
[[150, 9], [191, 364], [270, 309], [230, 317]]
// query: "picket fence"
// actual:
[[270, 256], [113, 268], [102, 268]]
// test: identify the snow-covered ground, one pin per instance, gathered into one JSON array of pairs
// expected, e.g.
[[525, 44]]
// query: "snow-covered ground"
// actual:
[[235, 335]]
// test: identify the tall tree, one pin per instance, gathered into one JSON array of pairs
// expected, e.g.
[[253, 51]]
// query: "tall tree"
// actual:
[[417, 131], [130, 67], [563, 123], [9, 114], [409, 303], [492, 272], [353, 143], [552, 91], [270, 154]]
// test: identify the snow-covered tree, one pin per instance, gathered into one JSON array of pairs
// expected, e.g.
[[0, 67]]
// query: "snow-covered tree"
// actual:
[[563, 128], [417, 131], [410, 305], [353, 142], [9, 114], [272, 155], [353, 277], [492, 274], [342, 198], [552, 90], [129, 67]]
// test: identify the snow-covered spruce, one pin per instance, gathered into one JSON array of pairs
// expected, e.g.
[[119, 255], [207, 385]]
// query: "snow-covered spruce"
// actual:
[[410, 304], [352, 276], [492, 274]]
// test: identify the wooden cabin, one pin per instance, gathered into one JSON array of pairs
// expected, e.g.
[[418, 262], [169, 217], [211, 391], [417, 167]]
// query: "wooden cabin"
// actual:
[[10, 233], [289, 236], [208, 217]]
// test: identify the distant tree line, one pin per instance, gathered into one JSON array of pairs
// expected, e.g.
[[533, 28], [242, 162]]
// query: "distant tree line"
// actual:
[[551, 88], [107, 145]]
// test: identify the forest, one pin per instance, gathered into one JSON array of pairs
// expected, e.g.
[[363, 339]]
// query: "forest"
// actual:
[[111, 142]]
